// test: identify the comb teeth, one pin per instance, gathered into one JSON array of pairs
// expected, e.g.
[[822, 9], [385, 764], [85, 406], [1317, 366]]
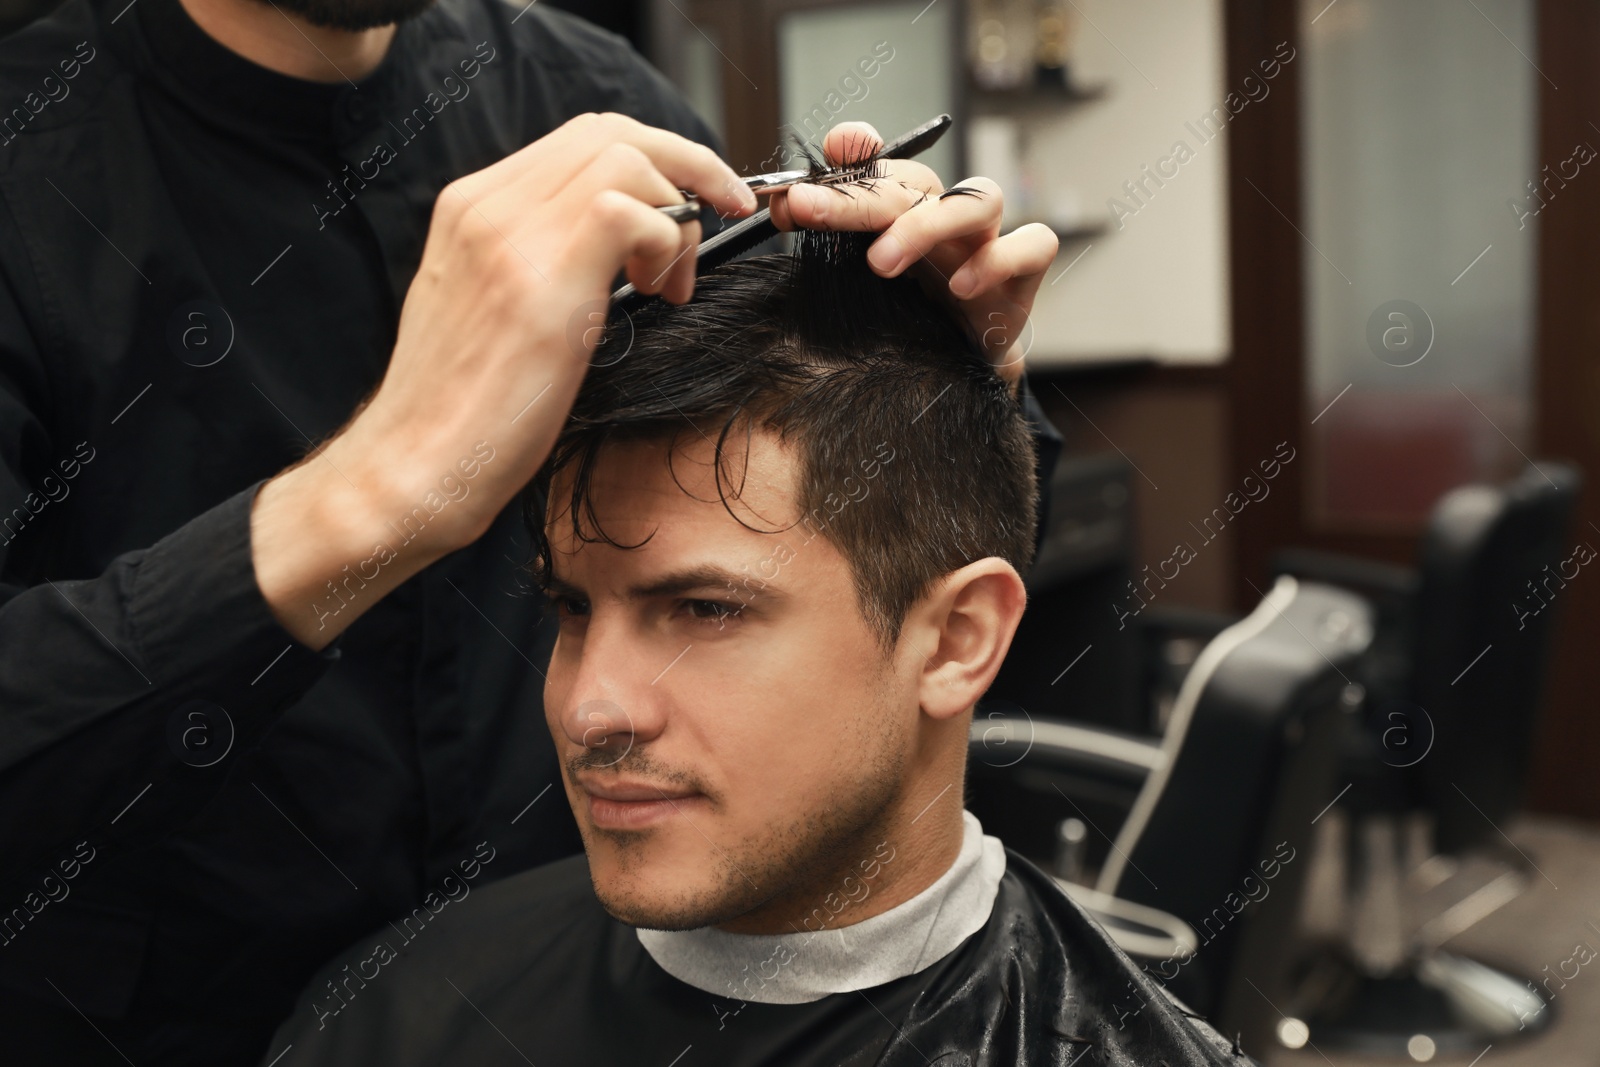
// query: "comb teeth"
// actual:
[[859, 172]]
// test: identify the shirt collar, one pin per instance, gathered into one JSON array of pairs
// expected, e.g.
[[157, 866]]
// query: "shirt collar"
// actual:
[[223, 85]]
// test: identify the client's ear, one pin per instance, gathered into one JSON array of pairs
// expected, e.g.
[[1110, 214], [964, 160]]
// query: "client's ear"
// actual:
[[963, 627]]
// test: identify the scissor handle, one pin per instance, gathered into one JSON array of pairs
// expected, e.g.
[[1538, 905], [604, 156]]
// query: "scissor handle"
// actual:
[[688, 211]]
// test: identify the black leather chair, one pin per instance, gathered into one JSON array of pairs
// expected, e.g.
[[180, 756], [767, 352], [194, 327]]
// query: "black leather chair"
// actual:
[[1454, 685], [1202, 834]]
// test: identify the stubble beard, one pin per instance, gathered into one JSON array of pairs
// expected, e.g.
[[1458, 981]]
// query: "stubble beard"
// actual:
[[794, 867]]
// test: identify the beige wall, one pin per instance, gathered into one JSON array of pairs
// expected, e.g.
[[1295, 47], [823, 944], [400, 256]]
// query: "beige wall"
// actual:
[[1158, 285]]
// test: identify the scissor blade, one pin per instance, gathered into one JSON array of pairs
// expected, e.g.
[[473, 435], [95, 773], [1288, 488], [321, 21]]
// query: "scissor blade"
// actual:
[[779, 179]]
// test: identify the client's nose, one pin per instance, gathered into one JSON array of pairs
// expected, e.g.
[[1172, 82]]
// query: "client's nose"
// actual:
[[611, 705], [604, 727]]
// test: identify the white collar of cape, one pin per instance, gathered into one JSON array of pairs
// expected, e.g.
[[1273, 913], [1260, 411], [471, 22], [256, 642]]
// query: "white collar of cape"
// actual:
[[798, 968]]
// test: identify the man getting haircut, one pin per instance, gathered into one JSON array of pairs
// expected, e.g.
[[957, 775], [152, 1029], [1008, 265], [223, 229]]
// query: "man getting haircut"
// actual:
[[783, 530]]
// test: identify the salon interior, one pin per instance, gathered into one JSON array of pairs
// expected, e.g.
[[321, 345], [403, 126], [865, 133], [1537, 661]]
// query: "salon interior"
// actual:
[[1301, 710], [1302, 706]]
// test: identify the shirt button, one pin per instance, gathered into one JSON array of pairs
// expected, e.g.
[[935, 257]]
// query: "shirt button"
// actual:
[[355, 108]]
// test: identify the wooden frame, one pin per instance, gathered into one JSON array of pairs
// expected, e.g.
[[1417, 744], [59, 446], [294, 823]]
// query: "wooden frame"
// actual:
[[1567, 395]]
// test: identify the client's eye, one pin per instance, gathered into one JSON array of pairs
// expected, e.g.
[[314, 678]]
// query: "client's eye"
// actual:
[[713, 610], [570, 606]]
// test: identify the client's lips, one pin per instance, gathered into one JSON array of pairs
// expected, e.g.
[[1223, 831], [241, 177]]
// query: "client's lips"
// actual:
[[627, 804]]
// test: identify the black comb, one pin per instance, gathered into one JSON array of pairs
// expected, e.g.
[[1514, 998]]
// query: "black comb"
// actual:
[[747, 233]]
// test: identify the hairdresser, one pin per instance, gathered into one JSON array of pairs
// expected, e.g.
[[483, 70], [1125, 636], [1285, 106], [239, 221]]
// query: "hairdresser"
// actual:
[[294, 296]]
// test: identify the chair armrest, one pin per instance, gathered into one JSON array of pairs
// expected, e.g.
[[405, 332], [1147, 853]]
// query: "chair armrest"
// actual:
[[1001, 741]]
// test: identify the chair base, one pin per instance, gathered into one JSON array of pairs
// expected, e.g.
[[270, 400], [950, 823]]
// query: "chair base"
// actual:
[[1442, 1004]]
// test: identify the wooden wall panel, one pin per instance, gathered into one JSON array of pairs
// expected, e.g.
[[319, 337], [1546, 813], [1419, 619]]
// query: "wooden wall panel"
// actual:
[[1567, 394]]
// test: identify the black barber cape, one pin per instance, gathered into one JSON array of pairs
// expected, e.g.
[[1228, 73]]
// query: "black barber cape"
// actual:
[[531, 969], [201, 270]]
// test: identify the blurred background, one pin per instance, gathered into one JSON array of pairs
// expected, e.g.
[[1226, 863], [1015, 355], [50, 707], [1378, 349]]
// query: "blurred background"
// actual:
[[1315, 597]]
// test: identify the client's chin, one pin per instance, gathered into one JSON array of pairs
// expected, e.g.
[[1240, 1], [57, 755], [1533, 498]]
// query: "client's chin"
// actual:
[[657, 905], [673, 878]]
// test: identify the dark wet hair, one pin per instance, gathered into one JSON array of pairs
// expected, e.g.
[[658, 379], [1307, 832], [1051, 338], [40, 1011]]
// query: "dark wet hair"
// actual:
[[915, 458]]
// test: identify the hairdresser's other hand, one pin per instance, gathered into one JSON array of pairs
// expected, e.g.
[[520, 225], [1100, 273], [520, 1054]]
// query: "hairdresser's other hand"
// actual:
[[953, 242], [494, 338]]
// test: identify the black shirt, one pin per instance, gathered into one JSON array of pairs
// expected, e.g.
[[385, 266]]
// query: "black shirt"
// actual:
[[201, 269], [532, 969]]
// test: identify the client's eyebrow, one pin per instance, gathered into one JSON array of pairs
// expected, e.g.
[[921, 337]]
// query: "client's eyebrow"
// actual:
[[557, 588], [706, 576], [703, 577]]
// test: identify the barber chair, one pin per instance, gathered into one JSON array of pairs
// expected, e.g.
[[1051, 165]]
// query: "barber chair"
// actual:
[[1200, 836], [1453, 688]]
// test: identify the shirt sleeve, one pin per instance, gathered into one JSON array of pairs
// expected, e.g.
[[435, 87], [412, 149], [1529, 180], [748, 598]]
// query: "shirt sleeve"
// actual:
[[126, 695]]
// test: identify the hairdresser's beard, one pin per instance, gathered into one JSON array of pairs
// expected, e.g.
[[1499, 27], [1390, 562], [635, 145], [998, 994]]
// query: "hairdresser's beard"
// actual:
[[353, 15]]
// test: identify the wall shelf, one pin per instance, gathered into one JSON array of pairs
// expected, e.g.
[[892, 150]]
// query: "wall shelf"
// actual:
[[1034, 98]]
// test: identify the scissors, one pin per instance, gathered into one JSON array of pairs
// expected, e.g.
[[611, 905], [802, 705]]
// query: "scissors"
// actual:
[[747, 233]]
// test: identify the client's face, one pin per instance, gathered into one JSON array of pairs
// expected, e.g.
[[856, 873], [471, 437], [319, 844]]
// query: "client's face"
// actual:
[[732, 733]]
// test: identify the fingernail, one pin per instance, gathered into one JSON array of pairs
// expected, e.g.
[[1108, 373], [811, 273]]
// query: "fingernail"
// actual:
[[963, 282], [886, 253]]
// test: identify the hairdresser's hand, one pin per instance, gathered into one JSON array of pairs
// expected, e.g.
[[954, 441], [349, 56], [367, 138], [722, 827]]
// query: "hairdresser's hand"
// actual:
[[494, 338], [953, 241]]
